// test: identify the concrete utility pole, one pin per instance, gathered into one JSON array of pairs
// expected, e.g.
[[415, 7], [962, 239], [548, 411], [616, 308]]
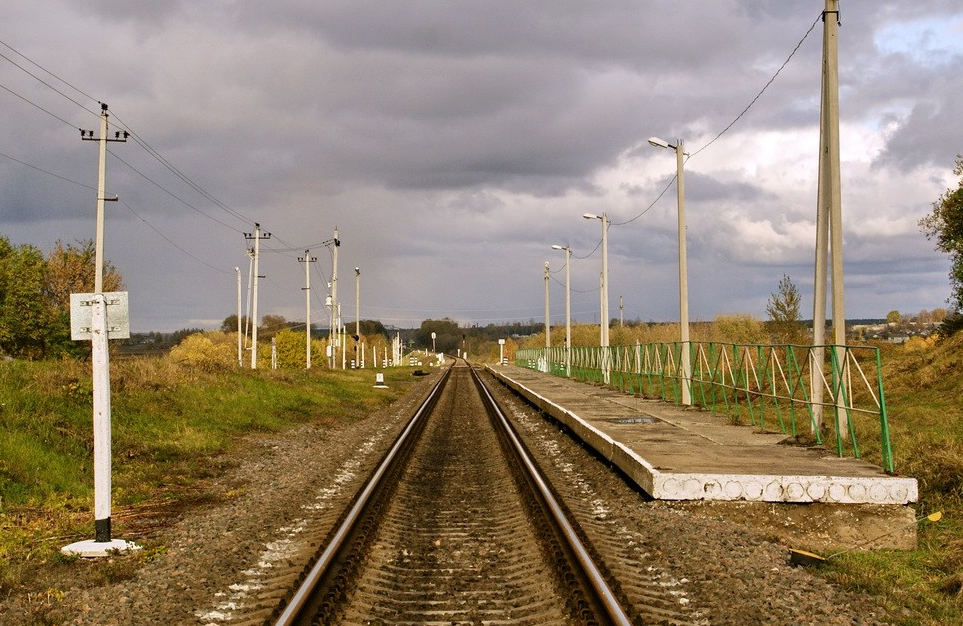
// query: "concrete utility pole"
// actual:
[[359, 354], [548, 323], [684, 360], [621, 313], [829, 223], [307, 259], [250, 282], [88, 135], [240, 350], [568, 307], [604, 280], [257, 236], [335, 317], [100, 358]]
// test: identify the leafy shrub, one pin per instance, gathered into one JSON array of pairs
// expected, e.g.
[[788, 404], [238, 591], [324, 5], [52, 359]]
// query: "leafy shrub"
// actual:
[[209, 351]]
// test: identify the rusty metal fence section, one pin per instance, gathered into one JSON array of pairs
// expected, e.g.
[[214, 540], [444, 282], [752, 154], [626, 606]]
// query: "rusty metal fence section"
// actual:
[[824, 395]]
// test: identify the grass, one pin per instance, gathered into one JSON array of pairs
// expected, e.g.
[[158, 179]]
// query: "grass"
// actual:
[[922, 586], [172, 428]]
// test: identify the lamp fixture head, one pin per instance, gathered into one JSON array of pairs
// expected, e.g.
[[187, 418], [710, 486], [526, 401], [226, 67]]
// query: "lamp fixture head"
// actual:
[[659, 143]]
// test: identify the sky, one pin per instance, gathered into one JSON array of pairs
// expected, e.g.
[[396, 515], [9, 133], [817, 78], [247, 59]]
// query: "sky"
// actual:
[[452, 143]]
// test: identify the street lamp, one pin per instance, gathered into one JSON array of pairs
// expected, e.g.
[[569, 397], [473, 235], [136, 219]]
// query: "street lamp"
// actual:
[[683, 269], [604, 331], [568, 307], [548, 325]]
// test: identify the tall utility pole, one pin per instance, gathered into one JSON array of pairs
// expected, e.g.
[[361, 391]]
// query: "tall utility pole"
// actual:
[[335, 317], [257, 236], [829, 222], [307, 259], [548, 326], [88, 135], [357, 316], [604, 280], [250, 282], [100, 359], [684, 359], [240, 351]]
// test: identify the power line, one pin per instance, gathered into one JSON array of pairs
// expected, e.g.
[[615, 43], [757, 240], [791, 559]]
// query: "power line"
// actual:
[[37, 65], [726, 129], [170, 241], [181, 175], [172, 194], [761, 91], [49, 173], [34, 104]]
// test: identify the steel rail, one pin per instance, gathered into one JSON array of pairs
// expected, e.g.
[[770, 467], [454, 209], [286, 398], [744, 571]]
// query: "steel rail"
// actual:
[[293, 608], [606, 597]]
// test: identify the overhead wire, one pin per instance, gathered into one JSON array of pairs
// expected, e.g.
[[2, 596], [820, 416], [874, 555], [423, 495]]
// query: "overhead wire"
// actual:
[[729, 126]]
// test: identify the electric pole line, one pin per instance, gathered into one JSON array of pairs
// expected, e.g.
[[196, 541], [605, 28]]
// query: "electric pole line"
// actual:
[[88, 135], [829, 229], [240, 350], [335, 312], [100, 358], [307, 259], [257, 236], [358, 348]]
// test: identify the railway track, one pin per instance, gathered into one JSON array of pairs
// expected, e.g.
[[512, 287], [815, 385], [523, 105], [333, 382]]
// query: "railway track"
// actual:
[[456, 526]]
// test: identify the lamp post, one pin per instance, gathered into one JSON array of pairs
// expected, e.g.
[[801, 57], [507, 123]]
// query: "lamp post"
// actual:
[[604, 307], [683, 269], [548, 325], [568, 308]]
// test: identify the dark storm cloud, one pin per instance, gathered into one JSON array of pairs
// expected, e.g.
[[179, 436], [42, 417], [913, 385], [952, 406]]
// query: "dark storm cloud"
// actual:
[[461, 139]]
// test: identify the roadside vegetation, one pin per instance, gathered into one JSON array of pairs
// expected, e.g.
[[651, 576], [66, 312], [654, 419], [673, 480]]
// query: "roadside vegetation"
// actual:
[[175, 425]]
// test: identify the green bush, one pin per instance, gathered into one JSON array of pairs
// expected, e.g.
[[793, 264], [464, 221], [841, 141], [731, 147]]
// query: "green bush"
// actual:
[[209, 351]]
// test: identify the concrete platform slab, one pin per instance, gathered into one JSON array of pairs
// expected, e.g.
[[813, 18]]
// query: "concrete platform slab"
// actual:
[[691, 455]]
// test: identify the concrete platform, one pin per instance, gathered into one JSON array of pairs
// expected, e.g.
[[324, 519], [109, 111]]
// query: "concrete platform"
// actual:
[[691, 454]]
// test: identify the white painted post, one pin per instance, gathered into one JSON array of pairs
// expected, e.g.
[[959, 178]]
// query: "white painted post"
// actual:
[[102, 543], [101, 383]]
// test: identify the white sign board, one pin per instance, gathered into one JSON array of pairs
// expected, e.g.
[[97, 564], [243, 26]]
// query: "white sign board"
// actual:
[[118, 316]]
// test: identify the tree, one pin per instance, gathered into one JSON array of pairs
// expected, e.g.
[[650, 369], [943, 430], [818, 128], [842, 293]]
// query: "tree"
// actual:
[[894, 317], [229, 325], [71, 268], [25, 315], [783, 309], [447, 335], [945, 226], [270, 326]]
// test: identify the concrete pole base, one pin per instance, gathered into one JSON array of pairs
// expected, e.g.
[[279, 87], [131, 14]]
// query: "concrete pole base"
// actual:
[[91, 548]]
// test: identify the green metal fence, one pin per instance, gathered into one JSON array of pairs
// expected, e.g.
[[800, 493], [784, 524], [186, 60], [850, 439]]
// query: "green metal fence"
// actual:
[[820, 393]]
